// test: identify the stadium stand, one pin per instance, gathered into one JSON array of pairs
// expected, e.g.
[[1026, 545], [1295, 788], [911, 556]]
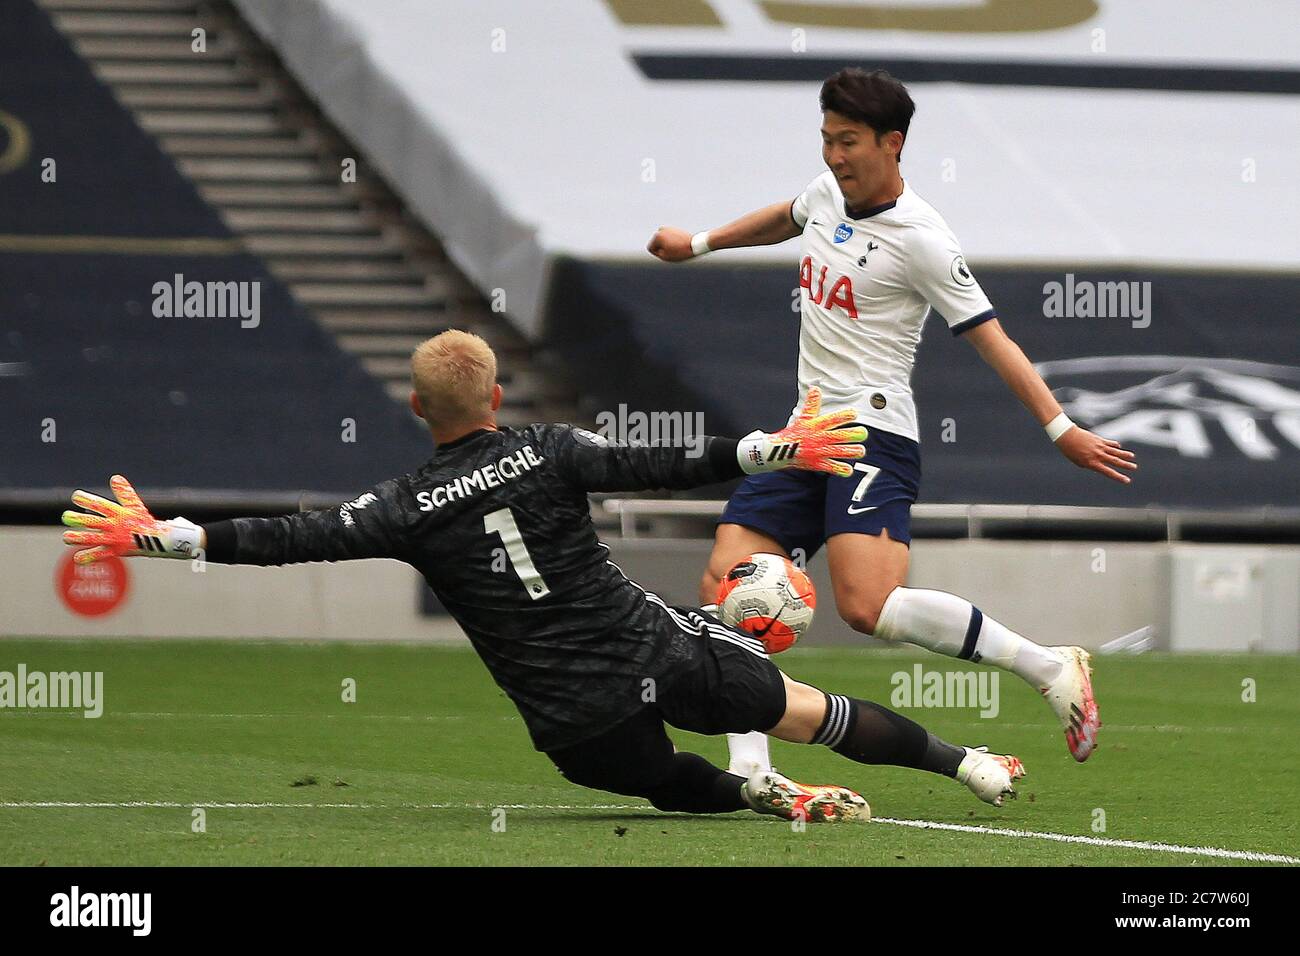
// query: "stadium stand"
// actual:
[[1024, 139], [257, 194], [1180, 390], [492, 172]]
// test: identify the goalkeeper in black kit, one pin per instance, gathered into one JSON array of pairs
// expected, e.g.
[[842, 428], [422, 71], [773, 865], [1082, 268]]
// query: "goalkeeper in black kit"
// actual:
[[596, 664]]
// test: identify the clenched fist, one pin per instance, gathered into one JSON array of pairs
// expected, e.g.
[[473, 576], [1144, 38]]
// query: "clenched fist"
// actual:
[[670, 244]]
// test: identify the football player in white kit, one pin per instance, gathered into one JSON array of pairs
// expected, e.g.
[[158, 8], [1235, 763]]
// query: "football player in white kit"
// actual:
[[876, 258]]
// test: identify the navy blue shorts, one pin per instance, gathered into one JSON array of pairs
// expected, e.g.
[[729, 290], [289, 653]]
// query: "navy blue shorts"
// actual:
[[801, 509]]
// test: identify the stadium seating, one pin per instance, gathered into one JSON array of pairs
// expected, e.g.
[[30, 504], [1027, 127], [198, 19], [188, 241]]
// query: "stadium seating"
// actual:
[[218, 170]]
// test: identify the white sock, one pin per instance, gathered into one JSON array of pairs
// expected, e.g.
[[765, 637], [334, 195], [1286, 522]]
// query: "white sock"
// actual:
[[748, 753], [947, 624]]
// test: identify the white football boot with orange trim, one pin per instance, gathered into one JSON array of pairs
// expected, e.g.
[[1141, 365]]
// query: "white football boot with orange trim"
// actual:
[[990, 776], [1071, 699], [767, 791]]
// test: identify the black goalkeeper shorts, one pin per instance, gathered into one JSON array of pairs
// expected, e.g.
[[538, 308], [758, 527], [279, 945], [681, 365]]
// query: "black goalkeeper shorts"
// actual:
[[729, 686]]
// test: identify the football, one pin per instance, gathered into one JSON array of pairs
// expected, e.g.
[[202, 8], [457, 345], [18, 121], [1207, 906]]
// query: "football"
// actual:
[[768, 596]]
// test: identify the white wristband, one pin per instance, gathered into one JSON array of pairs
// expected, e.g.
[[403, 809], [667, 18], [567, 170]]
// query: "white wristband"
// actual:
[[700, 243], [749, 452], [183, 538], [1058, 426]]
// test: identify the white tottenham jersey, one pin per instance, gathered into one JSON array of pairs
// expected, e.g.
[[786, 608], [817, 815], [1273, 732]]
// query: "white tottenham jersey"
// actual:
[[866, 285]]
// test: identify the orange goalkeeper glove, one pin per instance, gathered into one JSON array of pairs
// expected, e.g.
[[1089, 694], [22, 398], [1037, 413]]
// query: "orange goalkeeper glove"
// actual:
[[812, 442], [125, 528]]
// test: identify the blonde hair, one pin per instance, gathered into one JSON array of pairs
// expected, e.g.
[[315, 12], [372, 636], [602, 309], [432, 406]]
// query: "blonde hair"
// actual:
[[453, 374]]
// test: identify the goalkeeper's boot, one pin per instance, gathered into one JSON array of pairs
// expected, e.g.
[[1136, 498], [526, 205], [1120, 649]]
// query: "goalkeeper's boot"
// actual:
[[989, 776], [767, 791], [1070, 695]]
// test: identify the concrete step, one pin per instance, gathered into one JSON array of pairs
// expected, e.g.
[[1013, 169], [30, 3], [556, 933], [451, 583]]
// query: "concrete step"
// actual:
[[211, 147], [164, 6], [292, 245], [239, 169], [332, 221], [413, 239], [363, 295], [352, 270], [148, 51], [109, 22], [388, 367], [194, 97], [421, 322], [441, 289], [309, 195], [195, 73], [380, 344], [420, 325], [159, 122]]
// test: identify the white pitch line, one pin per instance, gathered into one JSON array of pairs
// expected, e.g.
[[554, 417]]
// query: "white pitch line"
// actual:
[[1094, 841], [213, 805], [167, 715], [1249, 855]]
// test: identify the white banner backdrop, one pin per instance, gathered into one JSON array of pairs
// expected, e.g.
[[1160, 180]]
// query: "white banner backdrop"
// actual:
[[524, 130]]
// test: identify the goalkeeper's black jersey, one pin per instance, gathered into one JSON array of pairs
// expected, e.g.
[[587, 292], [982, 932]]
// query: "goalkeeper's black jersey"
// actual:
[[499, 525]]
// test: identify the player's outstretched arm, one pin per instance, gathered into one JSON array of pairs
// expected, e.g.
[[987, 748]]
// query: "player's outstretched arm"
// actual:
[[1084, 448], [813, 442], [125, 528], [762, 227], [364, 528]]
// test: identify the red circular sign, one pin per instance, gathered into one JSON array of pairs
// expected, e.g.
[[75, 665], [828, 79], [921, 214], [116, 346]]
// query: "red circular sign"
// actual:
[[92, 589]]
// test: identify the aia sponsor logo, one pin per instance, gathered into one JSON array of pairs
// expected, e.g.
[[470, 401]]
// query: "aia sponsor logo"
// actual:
[[1199, 407], [839, 295]]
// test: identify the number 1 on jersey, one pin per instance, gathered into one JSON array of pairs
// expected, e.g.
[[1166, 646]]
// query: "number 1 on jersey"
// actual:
[[502, 521]]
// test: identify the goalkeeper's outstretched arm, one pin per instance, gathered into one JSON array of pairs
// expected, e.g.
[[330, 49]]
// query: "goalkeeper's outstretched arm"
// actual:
[[375, 525], [366, 527], [813, 442]]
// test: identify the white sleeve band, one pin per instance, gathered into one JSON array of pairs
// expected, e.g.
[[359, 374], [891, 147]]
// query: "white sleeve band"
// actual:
[[700, 243], [1058, 426]]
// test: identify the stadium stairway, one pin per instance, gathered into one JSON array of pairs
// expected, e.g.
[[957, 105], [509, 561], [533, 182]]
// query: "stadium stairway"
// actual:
[[261, 153]]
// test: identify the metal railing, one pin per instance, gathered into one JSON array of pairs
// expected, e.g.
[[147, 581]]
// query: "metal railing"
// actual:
[[665, 517], [986, 520]]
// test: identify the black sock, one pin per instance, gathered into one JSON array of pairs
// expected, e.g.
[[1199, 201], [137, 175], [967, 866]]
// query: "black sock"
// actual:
[[697, 786], [868, 733]]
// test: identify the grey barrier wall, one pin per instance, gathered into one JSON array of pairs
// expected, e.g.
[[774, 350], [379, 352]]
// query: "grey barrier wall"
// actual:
[[1193, 597]]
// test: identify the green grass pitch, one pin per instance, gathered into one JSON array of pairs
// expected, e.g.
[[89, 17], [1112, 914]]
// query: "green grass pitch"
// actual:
[[431, 755]]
